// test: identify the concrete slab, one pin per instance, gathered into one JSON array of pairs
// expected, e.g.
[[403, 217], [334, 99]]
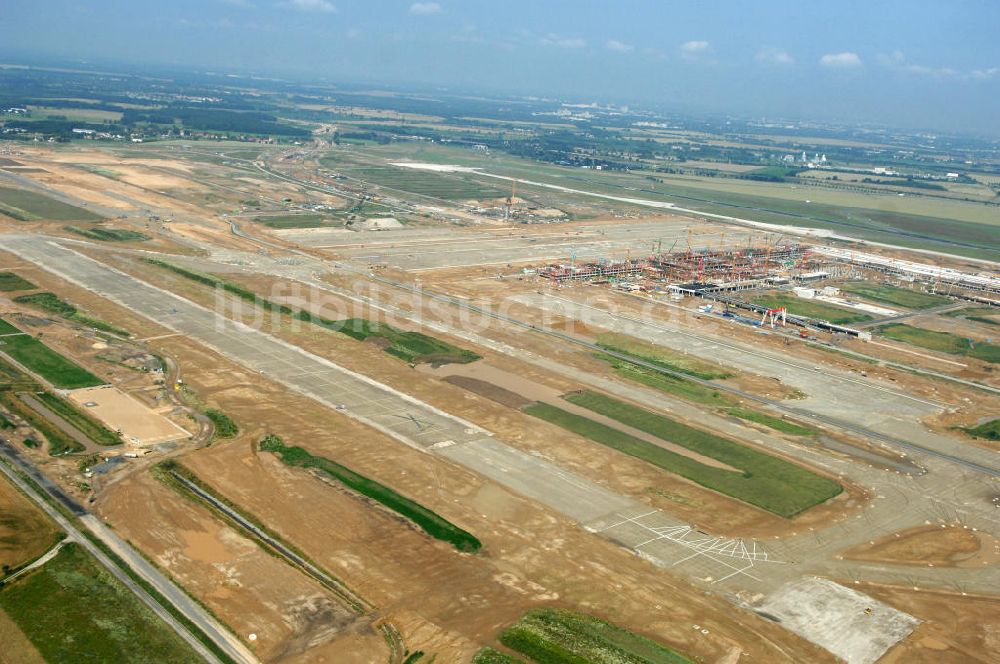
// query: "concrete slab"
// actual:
[[849, 624], [138, 424]]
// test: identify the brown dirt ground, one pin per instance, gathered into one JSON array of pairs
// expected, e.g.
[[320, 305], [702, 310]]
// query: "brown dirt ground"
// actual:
[[249, 589], [17, 649], [514, 384], [956, 629], [442, 601], [119, 411], [953, 546], [83, 347], [688, 501], [489, 390], [967, 403], [25, 531], [714, 512]]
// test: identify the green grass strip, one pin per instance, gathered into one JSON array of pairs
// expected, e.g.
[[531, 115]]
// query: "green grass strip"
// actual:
[[988, 430], [14, 282], [180, 617], [942, 342], [104, 234], [86, 424], [768, 482], [666, 359], [675, 385], [900, 297], [697, 393], [428, 521], [52, 304], [44, 361], [225, 427], [799, 306], [60, 444], [776, 423], [492, 656], [7, 328], [413, 347], [552, 636]]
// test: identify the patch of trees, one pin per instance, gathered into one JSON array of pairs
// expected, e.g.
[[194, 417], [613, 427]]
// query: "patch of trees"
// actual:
[[61, 128], [207, 119]]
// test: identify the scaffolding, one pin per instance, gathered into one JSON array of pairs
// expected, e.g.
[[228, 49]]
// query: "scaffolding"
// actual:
[[592, 271], [736, 269], [749, 264], [940, 279]]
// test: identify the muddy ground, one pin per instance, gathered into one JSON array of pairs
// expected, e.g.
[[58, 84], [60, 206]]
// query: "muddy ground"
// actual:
[[934, 546], [956, 629]]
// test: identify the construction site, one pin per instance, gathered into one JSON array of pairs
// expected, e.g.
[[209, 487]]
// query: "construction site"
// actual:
[[718, 275], [355, 442]]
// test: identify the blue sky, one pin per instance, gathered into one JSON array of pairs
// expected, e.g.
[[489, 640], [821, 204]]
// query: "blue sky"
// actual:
[[922, 63]]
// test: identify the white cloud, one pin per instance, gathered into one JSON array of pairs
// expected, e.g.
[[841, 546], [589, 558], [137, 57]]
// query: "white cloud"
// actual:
[[940, 72], [322, 6], [552, 39], [353, 33], [893, 59], [897, 61], [985, 74], [424, 8], [774, 56], [693, 49], [845, 60], [619, 46]]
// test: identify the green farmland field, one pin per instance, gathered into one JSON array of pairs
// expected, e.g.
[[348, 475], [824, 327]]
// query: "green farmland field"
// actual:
[[7, 328], [30, 206], [913, 221], [763, 480], [900, 297], [798, 306], [105, 234], [988, 430], [293, 220], [942, 342], [49, 364], [52, 304], [664, 357], [13, 282], [414, 347], [555, 636], [985, 315], [72, 610], [493, 656]]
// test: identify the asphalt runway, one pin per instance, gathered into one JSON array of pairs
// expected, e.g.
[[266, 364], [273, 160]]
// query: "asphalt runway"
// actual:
[[430, 249], [396, 414], [831, 394]]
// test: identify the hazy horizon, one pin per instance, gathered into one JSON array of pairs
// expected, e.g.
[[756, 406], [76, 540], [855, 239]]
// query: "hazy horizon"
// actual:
[[908, 65]]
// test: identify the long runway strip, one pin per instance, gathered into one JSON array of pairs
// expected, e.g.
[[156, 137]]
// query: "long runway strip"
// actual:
[[398, 415]]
